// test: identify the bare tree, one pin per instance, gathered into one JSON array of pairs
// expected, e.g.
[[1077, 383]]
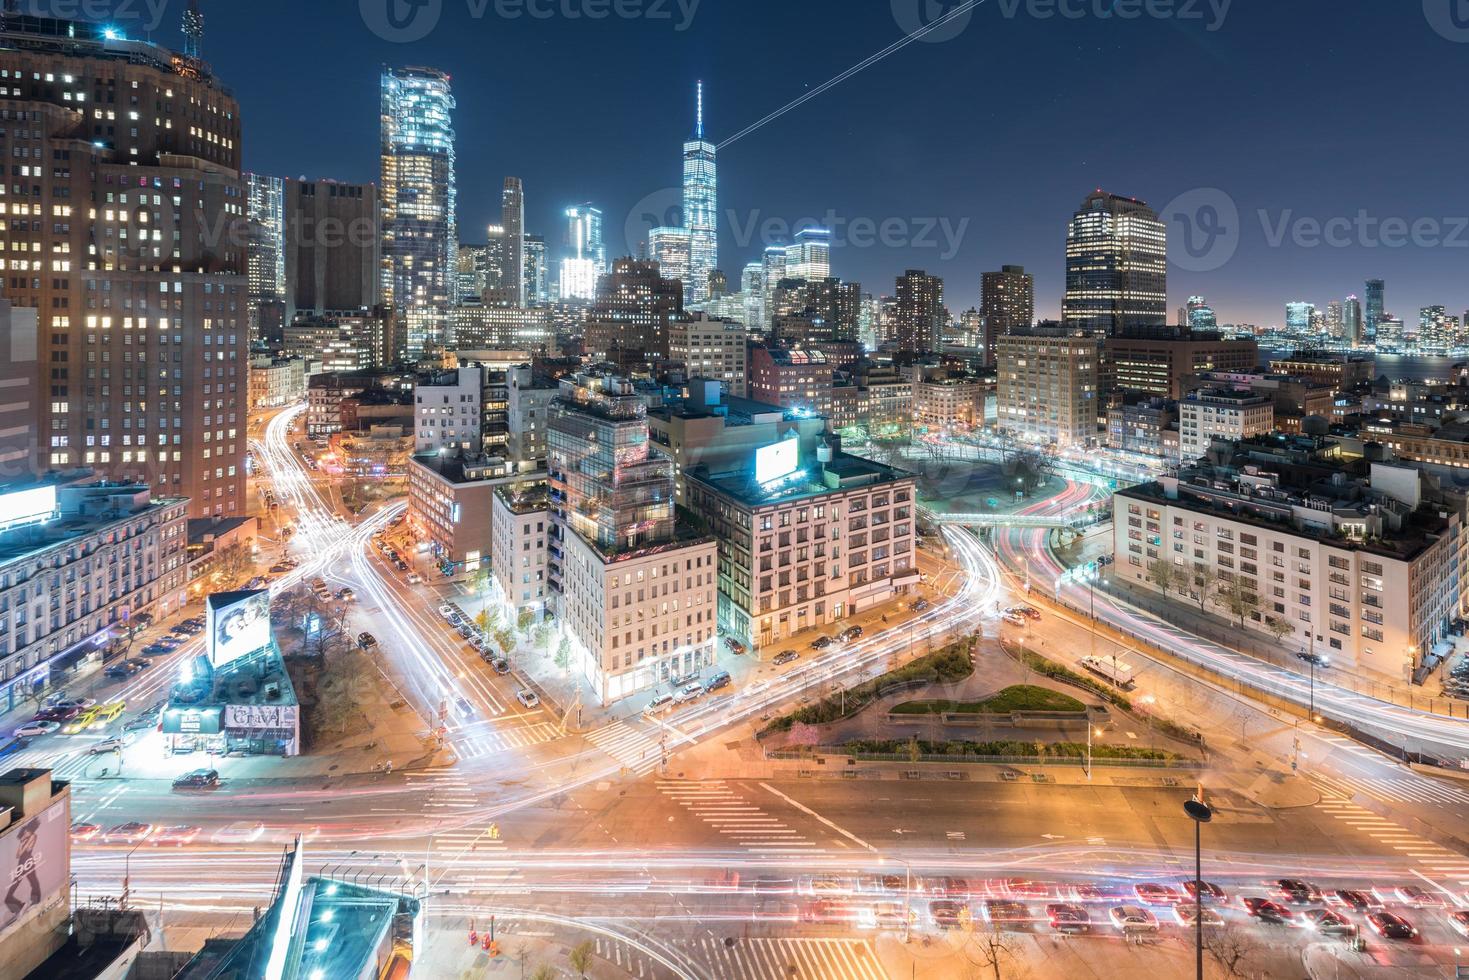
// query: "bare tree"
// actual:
[[1164, 574], [1205, 577], [580, 958], [1279, 627], [993, 949], [1237, 597], [1231, 947], [231, 563]]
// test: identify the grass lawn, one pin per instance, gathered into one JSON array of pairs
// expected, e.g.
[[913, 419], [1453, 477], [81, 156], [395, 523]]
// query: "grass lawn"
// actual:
[[1021, 697]]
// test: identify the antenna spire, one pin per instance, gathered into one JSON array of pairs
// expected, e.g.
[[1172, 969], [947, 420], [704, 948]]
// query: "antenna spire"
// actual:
[[699, 125]]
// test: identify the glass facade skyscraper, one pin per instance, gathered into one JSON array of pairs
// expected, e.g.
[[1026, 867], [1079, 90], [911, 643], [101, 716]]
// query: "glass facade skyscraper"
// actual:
[[1298, 317], [418, 203], [700, 207], [1374, 307], [266, 256], [586, 256], [1116, 266]]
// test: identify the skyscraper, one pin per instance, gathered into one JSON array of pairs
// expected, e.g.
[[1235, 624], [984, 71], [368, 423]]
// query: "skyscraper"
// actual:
[[1333, 319], [266, 254], [700, 206], [628, 322], [672, 249], [1298, 317], [1199, 315], [419, 203], [537, 292], [752, 288], [920, 312], [1116, 266], [512, 219], [586, 256], [1351, 321], [113, 306], [333, 247], [774, 263], [1373, 309], [809, 256], [1006, 301]]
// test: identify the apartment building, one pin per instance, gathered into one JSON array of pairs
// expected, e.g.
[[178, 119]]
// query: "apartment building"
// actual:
[[519, 524], [796, 379], [1048, 385], [276, 382], [1219, 413], [1362, 561], [806, 548], [450, 505], [709, 347], [79, 557], [632, 587], [448, 408], [949, 401]]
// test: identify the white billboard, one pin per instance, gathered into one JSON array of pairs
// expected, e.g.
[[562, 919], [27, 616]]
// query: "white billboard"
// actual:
[[238, 623], [34, 858], [778, 460]]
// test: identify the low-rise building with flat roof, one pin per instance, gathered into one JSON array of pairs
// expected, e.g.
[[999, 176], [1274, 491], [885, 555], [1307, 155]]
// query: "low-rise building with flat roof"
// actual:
[[519, 525], [450, 506]]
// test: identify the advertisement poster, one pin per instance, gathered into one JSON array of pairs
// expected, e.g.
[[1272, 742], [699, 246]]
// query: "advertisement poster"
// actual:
[[33, 855], [238, 623]]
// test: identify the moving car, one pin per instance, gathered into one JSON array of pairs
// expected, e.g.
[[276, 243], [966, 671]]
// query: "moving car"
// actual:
[[198, 779], [1419, 898], [1354, 898], [528, 698], [1267, 911], [1069, 918], [35, 728], [108, 713], [1391, 926], [177, 835], [239, 832], [1015, 619], [1328, 923], [1296, 891], [1151, 893], [346, 594], [1133, 918], [80, 723], [946, 913], [1459, 921], [1211, 891], [1186, 913], [85, 831], [107, 745], [128, 833], [1003, 912], [158, 649], [785, 657]]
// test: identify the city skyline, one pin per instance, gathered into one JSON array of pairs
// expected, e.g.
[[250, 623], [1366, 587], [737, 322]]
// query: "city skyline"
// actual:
[[1003, 228]]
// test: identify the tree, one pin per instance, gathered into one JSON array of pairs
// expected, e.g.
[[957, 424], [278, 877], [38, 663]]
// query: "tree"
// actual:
[[1279, 627], [525, 620], [563, 653], [1204, 579], [993, 948], [1231, 947], [580, 957], [1163, 574], [1237, 597], [231, 563], [543, 972]]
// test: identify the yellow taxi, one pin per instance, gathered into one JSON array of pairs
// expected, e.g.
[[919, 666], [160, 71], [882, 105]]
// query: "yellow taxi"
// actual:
[[80, 723], [106, 714]]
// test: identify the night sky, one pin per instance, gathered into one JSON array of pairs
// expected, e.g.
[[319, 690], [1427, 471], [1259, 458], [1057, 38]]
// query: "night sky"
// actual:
[[1306, 109]]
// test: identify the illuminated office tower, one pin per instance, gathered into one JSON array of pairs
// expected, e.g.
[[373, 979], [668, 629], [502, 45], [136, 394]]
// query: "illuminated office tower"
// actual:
[[774, 262], [266, 254], [512, 218], [809, 257], [672, 248], [1199, 315], [1116, 266], [700, 207], [1351, 321], [537, 290], [419, 205], [1298, 317], [920, 313], [586, 257], [113, 301], [752, 288], [1333, 319], [1374, 308]]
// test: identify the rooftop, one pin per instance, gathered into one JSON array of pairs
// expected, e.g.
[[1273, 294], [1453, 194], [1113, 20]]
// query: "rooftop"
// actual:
[[843, 473], [524, 498], [460, 469]]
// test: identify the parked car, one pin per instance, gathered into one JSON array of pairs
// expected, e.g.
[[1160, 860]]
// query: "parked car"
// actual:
[[366, 640], [851, 633], [1133, 918], [660, 700], [918, 605], [1068, 918], [821, 643], [1329, 923], [198, 779], [1391, 926], [346, 594], [133, 832], [107, 745], [689, 692], [721, 679], [177, 835], [785, 657], [528, 698], [448, 611], [735, 646], [500, 665]]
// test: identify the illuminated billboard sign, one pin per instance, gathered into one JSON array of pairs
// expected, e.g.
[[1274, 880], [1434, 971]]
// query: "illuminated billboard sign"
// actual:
[[778, 460], [34, 858], [238, 623], [27, 506]]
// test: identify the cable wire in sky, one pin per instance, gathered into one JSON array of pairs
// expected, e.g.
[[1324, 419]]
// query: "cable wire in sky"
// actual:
[[867, 62]]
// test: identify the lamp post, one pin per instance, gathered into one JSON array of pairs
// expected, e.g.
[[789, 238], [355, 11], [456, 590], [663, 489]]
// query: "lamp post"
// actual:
[[1200, 813]]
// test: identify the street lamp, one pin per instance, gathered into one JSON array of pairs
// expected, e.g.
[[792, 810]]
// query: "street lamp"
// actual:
[[1200, 813], [1089, 747]]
